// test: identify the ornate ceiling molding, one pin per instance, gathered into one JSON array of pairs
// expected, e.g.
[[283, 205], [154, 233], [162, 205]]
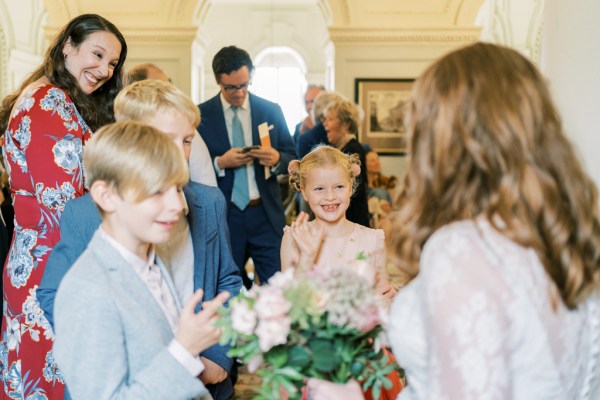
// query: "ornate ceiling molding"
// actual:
[[154, 34], [342, 36], [175, 13]]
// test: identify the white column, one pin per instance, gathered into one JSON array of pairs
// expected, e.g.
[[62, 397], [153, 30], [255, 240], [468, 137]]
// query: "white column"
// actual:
[[571, 60]]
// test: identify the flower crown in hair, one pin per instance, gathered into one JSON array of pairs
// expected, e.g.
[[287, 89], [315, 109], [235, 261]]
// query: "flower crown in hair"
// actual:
[[355, 169], [294, 167]]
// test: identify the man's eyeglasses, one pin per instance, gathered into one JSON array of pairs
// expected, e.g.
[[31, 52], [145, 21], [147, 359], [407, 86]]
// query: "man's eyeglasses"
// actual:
[[235, 88]]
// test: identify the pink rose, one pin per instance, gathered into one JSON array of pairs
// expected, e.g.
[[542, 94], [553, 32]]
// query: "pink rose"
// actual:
[[282, 280], [272, 332], [271, 303], [243, 319]]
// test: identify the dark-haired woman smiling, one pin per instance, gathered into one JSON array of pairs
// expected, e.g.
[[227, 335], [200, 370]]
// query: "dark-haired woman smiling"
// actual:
[[46, 124]]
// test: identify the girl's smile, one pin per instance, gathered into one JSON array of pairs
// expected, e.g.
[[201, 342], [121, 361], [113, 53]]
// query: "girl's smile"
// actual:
[[327, 191]]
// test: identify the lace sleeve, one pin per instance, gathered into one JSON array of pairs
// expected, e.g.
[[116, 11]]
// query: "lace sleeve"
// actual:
[[466, 320], [289, 251], [378, 256]]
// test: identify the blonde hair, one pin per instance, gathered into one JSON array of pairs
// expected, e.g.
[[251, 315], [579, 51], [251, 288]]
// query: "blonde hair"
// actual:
[[142, 99], [486, 140], [133, 156], [321, 102], [324, 156], [347, 112]]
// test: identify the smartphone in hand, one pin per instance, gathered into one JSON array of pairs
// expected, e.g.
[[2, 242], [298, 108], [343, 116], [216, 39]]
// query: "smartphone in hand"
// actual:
[[248, 148]]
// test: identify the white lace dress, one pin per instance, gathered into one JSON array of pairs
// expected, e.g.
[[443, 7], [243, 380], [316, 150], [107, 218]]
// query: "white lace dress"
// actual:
[[476, 324]]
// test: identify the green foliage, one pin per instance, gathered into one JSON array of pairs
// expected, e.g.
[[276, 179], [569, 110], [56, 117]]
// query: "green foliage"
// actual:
[[316, 344], [315, 349]]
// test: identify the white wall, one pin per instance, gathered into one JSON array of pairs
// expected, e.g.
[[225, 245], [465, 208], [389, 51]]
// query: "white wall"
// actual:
[[571, 60], [254, 27], [23, 44]]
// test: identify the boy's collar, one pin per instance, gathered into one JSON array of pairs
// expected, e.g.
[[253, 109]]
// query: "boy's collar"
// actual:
[[127, 254]]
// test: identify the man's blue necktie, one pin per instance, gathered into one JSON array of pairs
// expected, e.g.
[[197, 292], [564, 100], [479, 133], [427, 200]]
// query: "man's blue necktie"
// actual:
[[240, 196]]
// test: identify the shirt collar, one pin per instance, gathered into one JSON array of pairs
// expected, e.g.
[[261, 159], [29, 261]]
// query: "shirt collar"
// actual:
[[226, 105], [138, 264]]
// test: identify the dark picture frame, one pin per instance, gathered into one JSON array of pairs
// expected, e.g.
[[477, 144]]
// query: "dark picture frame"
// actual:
[[383, 102]]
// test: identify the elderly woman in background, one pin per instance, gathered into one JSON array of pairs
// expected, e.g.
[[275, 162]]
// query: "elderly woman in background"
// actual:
[[46, 124], [499, 229], [341, 124]]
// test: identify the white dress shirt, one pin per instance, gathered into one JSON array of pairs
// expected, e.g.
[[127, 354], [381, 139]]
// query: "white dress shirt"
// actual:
[[246, 120], [201, 169]]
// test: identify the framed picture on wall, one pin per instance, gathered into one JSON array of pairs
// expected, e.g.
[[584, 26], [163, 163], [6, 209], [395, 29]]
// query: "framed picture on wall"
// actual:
[[383, 102]]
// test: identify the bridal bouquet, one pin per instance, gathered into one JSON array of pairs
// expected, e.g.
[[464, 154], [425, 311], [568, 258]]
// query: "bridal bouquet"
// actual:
[[322, 323]]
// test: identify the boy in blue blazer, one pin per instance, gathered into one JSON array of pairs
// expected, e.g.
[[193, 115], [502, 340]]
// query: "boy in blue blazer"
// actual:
[[120, 329], [198, 253]]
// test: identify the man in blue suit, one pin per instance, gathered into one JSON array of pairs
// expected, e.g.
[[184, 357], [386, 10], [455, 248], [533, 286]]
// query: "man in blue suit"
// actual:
[[230, 130], [198, 252]]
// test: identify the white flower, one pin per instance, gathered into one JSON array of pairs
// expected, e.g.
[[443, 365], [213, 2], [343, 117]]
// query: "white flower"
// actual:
[[272, 332], [366, 271], [271, 303], [283, 279], [14, 333], [243, 319]]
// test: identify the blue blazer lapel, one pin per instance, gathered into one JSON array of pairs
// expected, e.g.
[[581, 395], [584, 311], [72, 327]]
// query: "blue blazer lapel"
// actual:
[[255, 116], [219, 121], [196, 220]]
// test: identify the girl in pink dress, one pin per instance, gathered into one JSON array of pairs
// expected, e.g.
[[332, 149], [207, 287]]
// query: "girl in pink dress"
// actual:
[[327, 178]]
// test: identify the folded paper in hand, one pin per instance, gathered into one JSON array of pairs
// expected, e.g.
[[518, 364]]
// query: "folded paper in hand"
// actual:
[[265, 141]]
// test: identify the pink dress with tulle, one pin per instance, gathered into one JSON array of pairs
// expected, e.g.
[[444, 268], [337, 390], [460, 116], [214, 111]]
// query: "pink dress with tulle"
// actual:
[[345, 249]]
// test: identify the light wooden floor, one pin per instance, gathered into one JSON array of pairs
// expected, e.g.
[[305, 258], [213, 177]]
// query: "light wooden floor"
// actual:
[[246, 384]]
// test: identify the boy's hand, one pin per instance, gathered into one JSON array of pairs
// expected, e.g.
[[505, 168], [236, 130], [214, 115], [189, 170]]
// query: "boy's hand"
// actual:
[[196, 332], [213, 372]]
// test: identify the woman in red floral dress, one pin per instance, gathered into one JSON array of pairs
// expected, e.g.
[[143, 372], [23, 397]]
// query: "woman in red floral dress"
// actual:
[[46, 124]]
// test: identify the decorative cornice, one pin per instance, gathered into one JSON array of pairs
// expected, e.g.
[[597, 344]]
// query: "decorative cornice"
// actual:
[[150, 34], [343, 36]]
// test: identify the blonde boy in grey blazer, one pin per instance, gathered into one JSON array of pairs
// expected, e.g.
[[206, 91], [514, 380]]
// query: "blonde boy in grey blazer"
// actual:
[[120, 330]]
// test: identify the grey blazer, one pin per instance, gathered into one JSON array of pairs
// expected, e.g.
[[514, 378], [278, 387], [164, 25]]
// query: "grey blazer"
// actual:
[[111, 334]]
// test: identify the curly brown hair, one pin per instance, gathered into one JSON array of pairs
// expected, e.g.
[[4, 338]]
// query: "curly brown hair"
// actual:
[[487, 141], [95, 108]]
